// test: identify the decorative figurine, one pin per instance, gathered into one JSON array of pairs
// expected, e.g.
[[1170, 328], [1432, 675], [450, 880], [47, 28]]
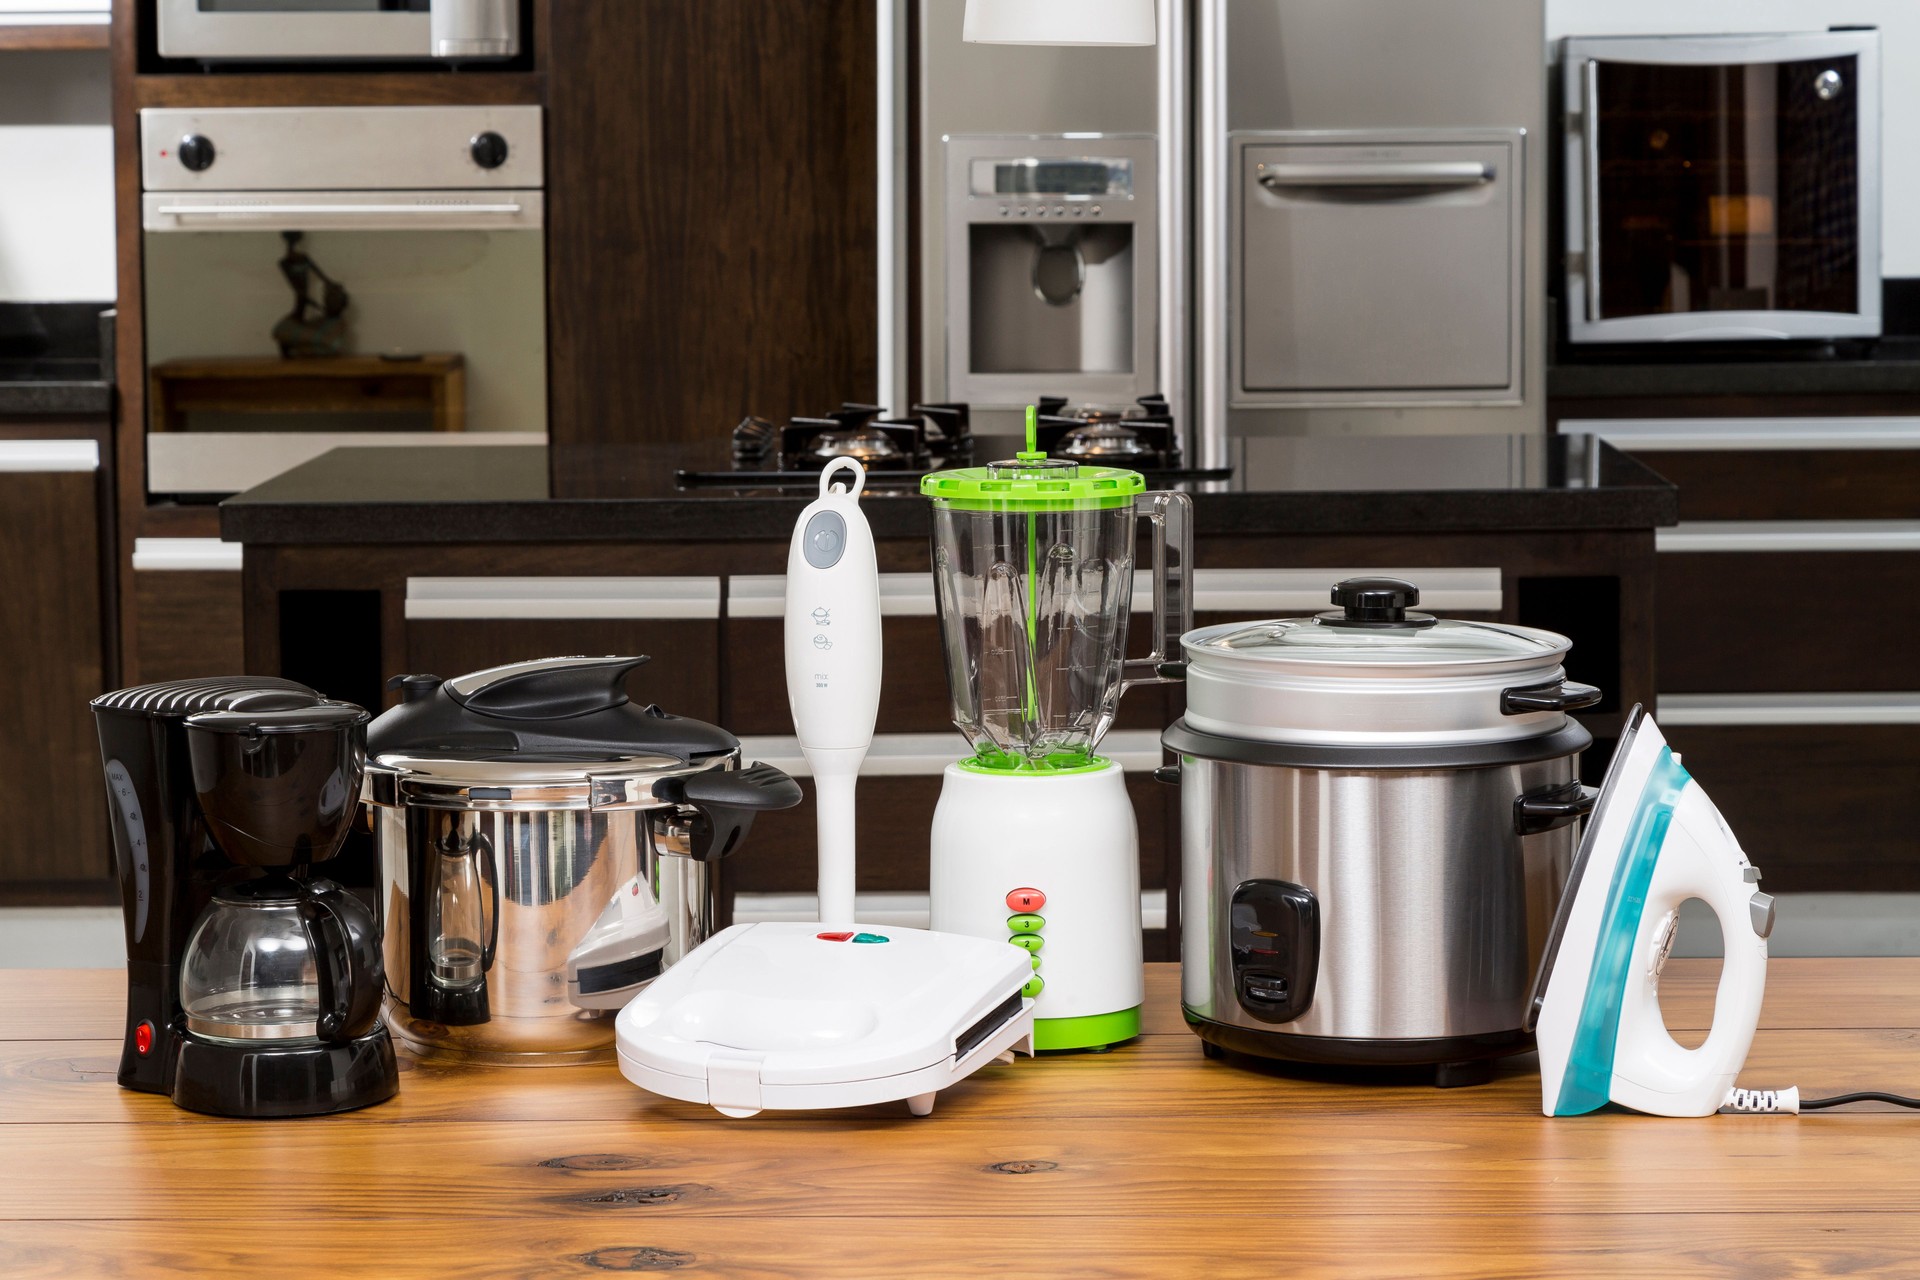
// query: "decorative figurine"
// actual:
[[311, 328]]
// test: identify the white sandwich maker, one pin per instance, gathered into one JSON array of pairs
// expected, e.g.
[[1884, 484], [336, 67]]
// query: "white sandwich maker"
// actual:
[[792, 1016]]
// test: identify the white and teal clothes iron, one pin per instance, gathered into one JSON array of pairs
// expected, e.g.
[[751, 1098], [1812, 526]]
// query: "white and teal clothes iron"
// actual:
[[1654, 840]]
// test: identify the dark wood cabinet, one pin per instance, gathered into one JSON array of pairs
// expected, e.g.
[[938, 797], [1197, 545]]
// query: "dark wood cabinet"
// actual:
[[710, 214], [53, 660], [186, 623]]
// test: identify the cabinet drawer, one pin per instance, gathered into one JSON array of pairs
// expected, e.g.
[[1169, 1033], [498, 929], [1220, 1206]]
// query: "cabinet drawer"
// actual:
[[187, 610], [457, 625], [1845, 620], [1437, 219], [1816, 806], [51, 791], [1777, 468]]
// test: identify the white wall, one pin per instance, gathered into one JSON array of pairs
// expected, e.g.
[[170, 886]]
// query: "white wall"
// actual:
[[1899, 23], [56, 178]]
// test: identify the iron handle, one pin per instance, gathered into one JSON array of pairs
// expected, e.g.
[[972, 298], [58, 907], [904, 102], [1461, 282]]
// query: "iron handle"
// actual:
[[1561, 695], [1414, 173], [1553, 807]]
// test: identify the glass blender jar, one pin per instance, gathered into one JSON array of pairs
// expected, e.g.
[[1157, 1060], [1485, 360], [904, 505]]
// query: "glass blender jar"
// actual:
[[1034, 837]]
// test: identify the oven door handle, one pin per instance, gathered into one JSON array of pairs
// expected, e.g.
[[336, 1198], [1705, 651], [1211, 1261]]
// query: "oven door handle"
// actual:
[[1590, 183], [1426, 174], [506, 208]]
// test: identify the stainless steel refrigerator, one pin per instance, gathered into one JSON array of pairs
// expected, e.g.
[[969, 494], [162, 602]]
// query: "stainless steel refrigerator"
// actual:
[[1315, 217]]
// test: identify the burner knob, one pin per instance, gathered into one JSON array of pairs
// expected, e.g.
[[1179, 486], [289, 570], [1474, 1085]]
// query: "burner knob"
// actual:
[[196, 152], [489, 150]]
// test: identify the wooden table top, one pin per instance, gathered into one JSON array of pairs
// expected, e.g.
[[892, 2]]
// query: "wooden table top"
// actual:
[[1149, 1161]]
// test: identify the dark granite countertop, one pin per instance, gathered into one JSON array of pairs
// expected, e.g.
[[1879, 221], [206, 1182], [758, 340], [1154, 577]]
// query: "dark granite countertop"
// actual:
[[55, 359], [513, 493], [1890, 366]]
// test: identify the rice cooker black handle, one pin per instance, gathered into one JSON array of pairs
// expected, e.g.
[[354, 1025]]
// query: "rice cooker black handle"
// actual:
[[1550, 808], [1560, 695], [727, 801]]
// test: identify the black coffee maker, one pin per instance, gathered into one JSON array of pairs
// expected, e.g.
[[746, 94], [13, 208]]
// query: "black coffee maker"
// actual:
[[253, 987]]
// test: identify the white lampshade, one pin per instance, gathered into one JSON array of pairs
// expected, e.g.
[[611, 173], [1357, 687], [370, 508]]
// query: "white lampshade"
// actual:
[[1059, 22]]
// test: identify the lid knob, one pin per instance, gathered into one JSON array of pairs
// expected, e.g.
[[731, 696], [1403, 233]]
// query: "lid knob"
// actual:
[[1376, 602]]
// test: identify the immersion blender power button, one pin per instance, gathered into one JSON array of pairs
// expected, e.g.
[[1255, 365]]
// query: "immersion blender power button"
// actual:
[[825, 539]]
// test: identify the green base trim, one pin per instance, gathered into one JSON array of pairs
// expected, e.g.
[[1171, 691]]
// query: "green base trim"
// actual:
[[1095, 1031], [1019, 766]]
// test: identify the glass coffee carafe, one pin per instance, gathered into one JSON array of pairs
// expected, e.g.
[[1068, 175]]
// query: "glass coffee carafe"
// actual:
[[280, 959]]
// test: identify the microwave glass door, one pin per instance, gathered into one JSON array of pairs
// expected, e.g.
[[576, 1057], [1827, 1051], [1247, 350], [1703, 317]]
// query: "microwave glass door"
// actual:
[[1727, 188]]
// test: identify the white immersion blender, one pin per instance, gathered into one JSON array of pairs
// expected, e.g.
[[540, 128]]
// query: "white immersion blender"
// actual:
[[833, 666], [783, 1015]]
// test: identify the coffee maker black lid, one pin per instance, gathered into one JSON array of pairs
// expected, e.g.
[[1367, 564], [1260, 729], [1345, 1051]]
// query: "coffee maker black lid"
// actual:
[[313, 717], [177, 699]]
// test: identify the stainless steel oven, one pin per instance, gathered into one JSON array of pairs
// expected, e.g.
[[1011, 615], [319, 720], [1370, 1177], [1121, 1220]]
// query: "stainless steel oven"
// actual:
[[431, 221], [1722, 187], [302, 30]]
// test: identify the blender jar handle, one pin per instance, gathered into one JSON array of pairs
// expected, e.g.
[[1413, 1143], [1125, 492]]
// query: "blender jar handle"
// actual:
[[1171, 514], [330, 943]]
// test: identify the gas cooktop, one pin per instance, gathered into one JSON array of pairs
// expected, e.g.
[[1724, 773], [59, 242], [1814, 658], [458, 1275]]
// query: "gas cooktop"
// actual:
[[934, 437]]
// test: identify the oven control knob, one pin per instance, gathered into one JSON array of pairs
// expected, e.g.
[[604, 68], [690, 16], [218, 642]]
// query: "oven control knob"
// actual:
[[489, 150], [196, 152]]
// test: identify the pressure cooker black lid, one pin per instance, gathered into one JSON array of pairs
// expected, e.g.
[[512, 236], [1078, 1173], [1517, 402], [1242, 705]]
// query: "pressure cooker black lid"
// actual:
[[549, 708]]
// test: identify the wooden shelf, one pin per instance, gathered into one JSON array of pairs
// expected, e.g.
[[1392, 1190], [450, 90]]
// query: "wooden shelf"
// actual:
[[53, 37], [367, 89]]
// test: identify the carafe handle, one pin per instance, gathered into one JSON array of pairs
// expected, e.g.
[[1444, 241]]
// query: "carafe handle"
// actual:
[[331, 945], [1171, 515], [480, 849]]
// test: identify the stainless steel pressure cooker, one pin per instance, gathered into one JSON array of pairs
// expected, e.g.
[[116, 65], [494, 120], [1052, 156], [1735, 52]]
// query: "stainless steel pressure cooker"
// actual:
[[546, 849], [1379, 809]]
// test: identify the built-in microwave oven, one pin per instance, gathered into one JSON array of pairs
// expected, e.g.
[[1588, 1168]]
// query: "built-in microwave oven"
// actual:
[[1722, 188], [307, 30]]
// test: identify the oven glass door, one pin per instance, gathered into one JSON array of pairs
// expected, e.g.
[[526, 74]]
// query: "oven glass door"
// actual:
[[1728, 188]]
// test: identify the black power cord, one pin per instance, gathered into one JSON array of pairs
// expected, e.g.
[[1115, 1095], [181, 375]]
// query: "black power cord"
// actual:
[[1848, 1099]]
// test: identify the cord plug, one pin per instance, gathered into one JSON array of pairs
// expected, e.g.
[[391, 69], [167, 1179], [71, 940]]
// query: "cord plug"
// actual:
[[1761, 1102]]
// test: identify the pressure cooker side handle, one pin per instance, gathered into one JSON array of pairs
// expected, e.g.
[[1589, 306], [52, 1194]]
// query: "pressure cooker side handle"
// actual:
[[1549, 808], [1557, 695], [1171, 514], [726, 802]]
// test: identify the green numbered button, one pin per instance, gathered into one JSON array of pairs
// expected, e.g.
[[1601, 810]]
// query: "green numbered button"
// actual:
[[1036, 962], [1031, 941], [1026, 922], [1033, 987]]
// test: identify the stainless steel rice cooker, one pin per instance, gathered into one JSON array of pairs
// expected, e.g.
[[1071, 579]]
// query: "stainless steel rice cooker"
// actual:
[[546, 848], [1379, 809]]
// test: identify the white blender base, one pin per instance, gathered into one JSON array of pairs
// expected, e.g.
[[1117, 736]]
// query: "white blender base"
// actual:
[[783, 1016], [1071, 837]]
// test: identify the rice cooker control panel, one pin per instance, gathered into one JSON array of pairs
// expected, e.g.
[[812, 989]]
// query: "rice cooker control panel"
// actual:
[[1274, 941]]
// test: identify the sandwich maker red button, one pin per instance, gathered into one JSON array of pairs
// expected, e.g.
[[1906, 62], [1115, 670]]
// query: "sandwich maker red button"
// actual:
[[835, 937]]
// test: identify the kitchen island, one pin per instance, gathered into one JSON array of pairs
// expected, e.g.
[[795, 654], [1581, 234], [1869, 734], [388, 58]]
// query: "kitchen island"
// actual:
[[1150, 1161], [366, 563]]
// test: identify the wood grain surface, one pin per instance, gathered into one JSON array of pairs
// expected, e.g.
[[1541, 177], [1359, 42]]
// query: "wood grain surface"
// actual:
[[1148, 1161]]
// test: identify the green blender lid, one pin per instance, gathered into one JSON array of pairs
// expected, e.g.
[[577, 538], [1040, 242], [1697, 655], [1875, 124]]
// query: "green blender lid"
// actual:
[[1031, 481]]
